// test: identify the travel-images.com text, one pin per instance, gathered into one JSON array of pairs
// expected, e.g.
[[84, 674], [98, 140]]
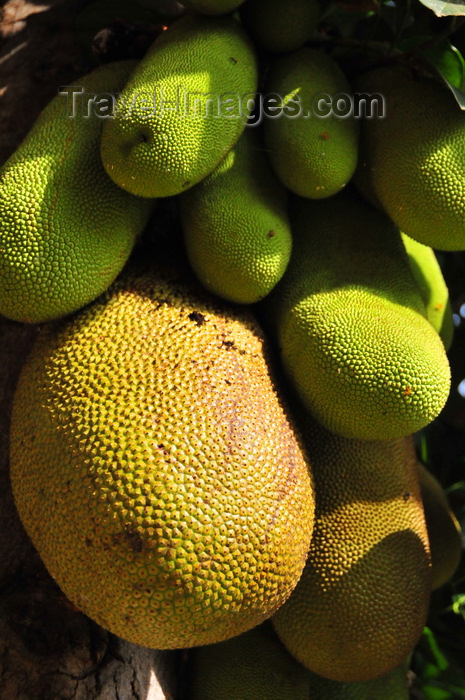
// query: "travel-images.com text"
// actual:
[[251, 108]]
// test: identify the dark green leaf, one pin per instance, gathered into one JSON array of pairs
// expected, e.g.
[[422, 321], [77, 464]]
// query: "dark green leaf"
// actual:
[[435, 655], [447, 60]]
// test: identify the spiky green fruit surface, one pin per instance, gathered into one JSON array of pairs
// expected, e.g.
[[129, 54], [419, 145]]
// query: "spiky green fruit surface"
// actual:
[[414, 157], [253, 666], [256, 666], [313, 156], [362, 601], [183, 109], [66, 229], [349, 320], [236, 227]]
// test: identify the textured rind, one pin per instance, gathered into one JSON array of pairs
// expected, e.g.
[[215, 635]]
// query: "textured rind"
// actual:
[[161, 152], [66, 229], [313, 157], [444, 532], [213, 7], [252, 666], [278, 26], [236, 227], [415, 156], [256, 666], [349, 320], [389, 686], [433, 288], [368, 368], [362, 601], [155, 468]]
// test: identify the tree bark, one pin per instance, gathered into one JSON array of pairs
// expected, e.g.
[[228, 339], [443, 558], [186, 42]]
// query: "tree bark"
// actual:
[[48, 649]]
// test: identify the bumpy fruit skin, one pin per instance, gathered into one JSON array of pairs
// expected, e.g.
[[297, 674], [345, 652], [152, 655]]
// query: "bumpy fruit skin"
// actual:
[[155, 467], [349, 320], [415, 156], [66, 229], [253, 666], [256, 666], [280, 26], [444, 531], [213, 7], [314, 157], [389, 686], [236, 227], [433, 288], [162, 141], [362, 601]]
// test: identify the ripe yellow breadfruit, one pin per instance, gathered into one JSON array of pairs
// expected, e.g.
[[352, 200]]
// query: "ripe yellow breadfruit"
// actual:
[[155, 467], [184, 107], [66, 229], [236, 228], [444, 531], [433, 288], [280, 26], [212, 7], [314, 153], [362, 601], [256, 666], [349, 321], [415, 156]]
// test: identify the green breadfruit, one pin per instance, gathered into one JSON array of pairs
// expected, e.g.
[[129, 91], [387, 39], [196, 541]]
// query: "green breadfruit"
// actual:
[[433, 288], [66, 229], [389, 686], [414, 157], [256, 666], [350, 323], [253, 666], [236, 228], [313, 156], [362, 600], [183, 108], [444, 531]]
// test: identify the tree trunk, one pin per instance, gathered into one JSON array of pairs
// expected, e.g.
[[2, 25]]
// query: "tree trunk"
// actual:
[[49, 650]]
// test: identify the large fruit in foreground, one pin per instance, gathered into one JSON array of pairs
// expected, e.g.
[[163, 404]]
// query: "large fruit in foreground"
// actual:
[[155, 468]]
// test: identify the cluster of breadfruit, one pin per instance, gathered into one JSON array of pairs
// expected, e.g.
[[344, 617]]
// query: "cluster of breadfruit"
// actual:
[[178, 488]]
